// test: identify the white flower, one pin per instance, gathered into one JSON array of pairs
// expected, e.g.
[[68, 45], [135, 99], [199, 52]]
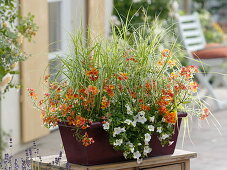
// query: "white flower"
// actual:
[[139, 144], [125, 154], [131, 146], [133, 100], [118, 130], [118, 142], [146, 150], [151, 119], [140, 117], [114, 20], [128, 122], [106, 126], [134, 123], [135, 1], [163, 119], [151, 128], [165, 136], [5, 81], [136, 155], [147, 138], [159, 129], [129, 111]]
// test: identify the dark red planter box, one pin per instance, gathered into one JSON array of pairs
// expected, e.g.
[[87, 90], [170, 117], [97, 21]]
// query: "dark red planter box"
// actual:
[[101, 151]]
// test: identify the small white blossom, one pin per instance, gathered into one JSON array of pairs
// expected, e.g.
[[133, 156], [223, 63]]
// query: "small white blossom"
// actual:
[[133, 100], [136, 155], [118, 142], [159, 129], [129, 110], [151, 128], [165, 136], [136, 1], [118, 130], [128, 122], [147, 138], [151, 119], [140, 117], [146, 150], [106, 126], [134, 123], [125, 154], [139, 144]]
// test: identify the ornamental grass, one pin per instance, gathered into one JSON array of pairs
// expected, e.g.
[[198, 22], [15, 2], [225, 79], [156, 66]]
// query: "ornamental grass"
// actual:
[[127, 83]]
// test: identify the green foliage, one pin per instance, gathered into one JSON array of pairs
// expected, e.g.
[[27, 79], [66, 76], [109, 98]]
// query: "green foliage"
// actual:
[[13, 29], [212, 31], [135, 10]]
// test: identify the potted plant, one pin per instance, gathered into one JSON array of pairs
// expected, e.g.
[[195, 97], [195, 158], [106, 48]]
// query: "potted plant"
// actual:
[[120, 98]]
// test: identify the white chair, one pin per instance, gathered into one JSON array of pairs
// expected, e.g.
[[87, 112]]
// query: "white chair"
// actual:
[[193, 39]]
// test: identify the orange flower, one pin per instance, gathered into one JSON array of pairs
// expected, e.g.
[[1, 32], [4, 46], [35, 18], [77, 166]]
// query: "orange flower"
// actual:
[[131, 59], [32, 93], [86, 140], [109, 89], [92, 89], [132, 94], [205, 113], [145, 107], [194, 86], [148, 86], [105, 102], [170, 117], [69, 94], [46, 78], [166, 53], [162, 109], [93, 74], [122, 76]]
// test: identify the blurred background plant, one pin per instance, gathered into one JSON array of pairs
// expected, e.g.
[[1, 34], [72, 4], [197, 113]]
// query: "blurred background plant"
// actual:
[[212, 30], [157, 12], [13, 29]]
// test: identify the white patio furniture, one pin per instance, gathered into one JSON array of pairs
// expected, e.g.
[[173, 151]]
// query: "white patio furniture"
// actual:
[[193, 39]]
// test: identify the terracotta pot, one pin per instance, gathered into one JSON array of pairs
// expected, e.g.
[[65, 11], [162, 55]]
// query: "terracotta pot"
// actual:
[[101, 151]]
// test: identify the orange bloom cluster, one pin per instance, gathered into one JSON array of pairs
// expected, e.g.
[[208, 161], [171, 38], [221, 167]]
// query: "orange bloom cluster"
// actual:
[[170, 117], [166, 53], [65, 108], [194, 86], [49, 119], [92, 90], [70, 94], [205, 114], [165, 100], [179, 87], [86, 140], [122, 76], [93, 74], [79, 121], [32, 93], [109, 89], [131, 58], [145, 107], [188, 71], [105, 102]]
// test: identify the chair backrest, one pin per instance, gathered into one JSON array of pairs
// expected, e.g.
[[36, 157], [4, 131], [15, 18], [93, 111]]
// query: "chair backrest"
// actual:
[[191, 32]]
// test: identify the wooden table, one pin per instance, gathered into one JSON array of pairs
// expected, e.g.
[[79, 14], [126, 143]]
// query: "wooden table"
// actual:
[[180, 160]]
